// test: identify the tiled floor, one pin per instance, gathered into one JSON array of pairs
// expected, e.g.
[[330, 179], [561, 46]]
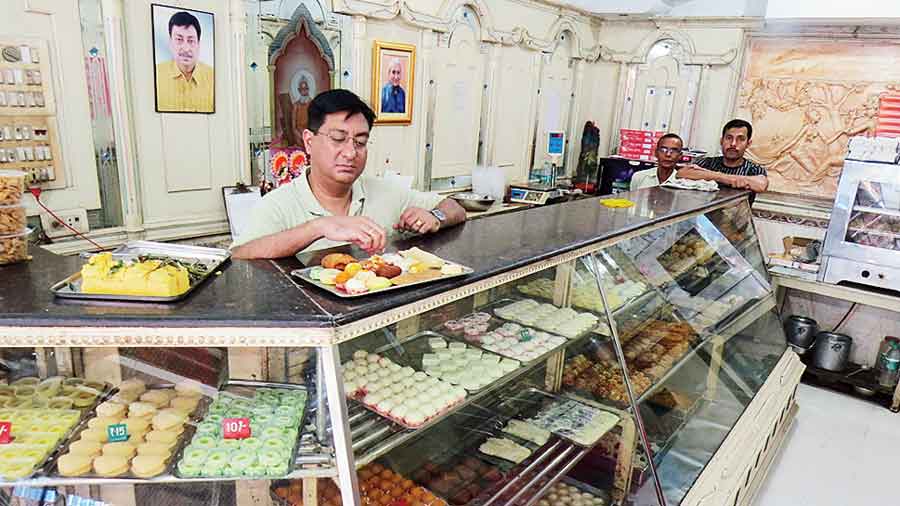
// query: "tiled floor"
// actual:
[[841, 451]]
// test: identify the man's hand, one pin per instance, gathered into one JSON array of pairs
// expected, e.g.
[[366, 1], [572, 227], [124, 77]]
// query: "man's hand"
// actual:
[[695, 172], [358, 230], [416, 219]]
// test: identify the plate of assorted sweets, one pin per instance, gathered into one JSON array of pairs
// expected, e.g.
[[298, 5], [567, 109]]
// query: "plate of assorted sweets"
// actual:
[[346, 276]]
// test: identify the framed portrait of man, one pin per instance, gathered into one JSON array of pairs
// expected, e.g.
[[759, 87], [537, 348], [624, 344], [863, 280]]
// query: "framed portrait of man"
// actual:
[[184, 58], [393, 72]]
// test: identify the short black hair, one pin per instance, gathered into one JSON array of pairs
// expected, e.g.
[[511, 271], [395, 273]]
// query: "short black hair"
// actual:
[[738, 123], [184, 19], [332, 101], [670, 136]]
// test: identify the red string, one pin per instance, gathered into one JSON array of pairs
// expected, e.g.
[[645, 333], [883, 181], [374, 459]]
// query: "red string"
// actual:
[[37, 197]]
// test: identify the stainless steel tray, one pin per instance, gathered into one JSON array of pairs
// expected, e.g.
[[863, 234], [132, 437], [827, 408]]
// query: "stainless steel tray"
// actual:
[[211, 258], [49, 461], [170, 463], [231, 386], [493, 324], [303, 275], [601, 324], [412, 349]]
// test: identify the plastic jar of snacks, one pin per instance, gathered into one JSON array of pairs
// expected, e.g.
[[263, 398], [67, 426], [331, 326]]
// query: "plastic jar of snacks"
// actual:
[[12, 185], [14, 247], [12, 219]]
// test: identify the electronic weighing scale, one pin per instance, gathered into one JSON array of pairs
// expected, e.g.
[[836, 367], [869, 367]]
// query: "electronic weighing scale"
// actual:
[[541, 186]]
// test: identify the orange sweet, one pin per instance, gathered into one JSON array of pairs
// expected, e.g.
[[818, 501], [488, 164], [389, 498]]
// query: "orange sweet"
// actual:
[[352, 268], [342, 278]]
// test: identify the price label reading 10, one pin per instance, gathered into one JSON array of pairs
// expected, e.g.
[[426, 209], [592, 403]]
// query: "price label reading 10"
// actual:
[[5, 433], [235, 428]]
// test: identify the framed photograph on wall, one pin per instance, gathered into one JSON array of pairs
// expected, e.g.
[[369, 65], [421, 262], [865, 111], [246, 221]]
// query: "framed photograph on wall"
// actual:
[[184, 58], [393, 72]]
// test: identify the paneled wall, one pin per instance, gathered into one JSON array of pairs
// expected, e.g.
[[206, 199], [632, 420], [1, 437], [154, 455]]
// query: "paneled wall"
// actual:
[[59, 25]]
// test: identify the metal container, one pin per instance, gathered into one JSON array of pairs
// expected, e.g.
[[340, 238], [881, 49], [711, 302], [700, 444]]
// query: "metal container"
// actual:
[[473, 201], [801, 331], [832, 351]]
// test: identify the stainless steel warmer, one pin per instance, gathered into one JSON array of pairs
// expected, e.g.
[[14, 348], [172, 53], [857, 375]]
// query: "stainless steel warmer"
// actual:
[[863, 240]]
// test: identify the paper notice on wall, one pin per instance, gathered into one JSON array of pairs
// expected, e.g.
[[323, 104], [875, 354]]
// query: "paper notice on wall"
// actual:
[[460, 97], [552, 110]]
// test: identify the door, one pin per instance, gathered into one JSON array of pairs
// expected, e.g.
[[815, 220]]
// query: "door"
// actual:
[[555, 101], [458, 83]]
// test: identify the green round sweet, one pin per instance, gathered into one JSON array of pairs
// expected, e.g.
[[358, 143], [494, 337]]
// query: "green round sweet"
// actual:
[[285, 421], [204, 442], [215, 418], [230, 471], [262, 419], [194, 456], [314, 272], [270, 432], [241, 461], [207, 429], [187, 470], [251, 444], [289, 434], [218, 407], [277, 471], [242, 404], [274, 443], [230, 444], [270, 457], [217, 459], [237, 413], [261, 410], [255, 471], [290, 410]]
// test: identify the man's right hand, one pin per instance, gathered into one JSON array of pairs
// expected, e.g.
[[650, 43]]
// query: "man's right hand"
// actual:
[[358, 230]]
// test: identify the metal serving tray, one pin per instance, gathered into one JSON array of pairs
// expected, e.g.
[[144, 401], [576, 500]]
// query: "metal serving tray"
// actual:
[[180, 443], [410, 351], [235, 387], [49, 460], [211, 258], [303, 275]]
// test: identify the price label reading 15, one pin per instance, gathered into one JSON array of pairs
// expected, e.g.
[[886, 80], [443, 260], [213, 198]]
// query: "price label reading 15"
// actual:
[[5, 433], [235, 428]]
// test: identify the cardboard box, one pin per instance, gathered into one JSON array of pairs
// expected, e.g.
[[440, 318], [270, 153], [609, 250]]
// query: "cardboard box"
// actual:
[[799, 253]]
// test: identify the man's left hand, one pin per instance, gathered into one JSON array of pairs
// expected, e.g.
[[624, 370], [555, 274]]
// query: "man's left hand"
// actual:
[[416, 219]]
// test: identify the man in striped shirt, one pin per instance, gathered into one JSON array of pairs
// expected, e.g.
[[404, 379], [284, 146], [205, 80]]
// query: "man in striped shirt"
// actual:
[[731, 169]]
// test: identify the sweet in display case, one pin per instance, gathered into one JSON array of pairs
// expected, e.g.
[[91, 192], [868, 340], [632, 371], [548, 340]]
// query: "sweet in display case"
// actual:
[[592, 356]]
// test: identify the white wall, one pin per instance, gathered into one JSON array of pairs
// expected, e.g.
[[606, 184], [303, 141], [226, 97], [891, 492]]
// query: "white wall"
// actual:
[[183, 159], [681, 8], [816, 9]]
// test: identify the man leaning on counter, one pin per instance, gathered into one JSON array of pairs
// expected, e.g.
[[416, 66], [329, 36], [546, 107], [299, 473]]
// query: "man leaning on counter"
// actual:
[[731, 169], [333, 203]]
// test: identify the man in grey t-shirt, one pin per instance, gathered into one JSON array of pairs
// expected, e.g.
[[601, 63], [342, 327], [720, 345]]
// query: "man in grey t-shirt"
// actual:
[[731, 169]]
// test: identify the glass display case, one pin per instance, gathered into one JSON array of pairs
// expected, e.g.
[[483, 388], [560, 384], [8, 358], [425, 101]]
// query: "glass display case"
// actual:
[[862, 244], [594, 356]]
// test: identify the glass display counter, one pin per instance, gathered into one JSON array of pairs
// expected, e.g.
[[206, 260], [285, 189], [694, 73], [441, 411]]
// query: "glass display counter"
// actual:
[[601, 356]]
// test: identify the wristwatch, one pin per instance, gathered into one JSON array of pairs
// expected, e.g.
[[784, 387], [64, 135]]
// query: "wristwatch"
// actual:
[[437, 213]]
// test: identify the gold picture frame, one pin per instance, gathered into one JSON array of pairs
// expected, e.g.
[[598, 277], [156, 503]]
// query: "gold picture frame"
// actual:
[[392, 95]]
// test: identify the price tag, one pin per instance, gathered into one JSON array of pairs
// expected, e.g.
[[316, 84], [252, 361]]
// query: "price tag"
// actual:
[[525, 336], [5, 433], [235, 428], [117, 432]]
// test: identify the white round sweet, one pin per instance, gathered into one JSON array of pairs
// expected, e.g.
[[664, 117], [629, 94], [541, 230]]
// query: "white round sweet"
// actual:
[[419, 376], [384, 372], [360, 354], [373, 358], [394, 367]]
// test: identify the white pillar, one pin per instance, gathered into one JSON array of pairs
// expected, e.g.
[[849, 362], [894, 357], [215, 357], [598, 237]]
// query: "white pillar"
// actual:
[[241, 128], [123, 126], [360, 50], [491, 79], [575, 126]]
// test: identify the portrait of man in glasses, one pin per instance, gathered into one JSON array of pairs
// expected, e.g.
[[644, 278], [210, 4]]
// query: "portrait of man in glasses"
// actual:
[[334, 203]]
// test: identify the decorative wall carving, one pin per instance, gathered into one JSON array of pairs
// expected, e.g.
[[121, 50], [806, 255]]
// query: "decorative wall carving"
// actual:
[[806, 98]]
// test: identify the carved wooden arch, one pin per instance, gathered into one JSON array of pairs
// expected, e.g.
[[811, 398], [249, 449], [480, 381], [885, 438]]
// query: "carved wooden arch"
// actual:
[[691, 56], [450, 7], [301, 21], [566, 25]]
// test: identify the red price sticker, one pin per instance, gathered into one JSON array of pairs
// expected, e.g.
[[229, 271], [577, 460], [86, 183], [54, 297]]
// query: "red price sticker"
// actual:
[[235, 428], [5, 433]]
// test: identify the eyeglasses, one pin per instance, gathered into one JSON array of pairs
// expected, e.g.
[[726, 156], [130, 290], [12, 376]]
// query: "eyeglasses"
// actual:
[[669, 151], [340, 137]]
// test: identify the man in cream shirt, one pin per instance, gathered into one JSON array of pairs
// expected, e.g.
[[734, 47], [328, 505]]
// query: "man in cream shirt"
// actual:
[[668, 154], [333, 203]]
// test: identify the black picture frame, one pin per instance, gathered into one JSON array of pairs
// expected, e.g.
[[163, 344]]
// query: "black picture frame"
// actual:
[[154, 7]]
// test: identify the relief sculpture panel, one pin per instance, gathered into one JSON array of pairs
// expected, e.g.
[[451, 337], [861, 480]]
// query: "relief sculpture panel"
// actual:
[[806, 99]]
